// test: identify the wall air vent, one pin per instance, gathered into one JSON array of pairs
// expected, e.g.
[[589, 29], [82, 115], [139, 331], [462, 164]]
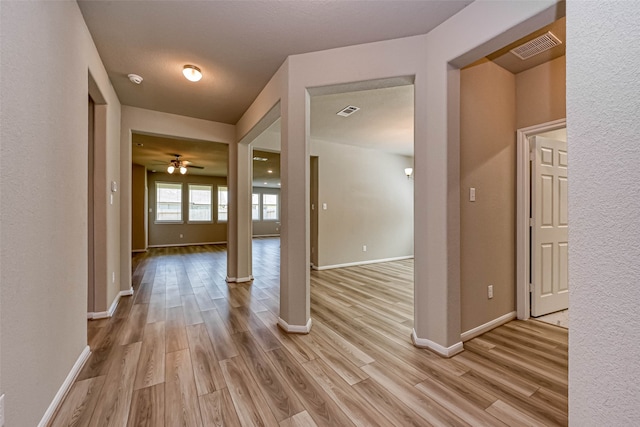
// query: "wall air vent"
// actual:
[[536, 46], [347, 111]]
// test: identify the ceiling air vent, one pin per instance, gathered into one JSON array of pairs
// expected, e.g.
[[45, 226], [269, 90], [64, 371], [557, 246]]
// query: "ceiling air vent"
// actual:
[[347, 111], [536, 46]]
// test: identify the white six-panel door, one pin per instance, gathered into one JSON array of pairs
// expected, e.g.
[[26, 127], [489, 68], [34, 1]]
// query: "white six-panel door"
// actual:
[[550, 226]]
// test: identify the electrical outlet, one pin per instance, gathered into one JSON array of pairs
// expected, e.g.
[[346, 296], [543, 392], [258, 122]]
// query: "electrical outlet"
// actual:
[[2, 411], [490, 291], [364, 248]]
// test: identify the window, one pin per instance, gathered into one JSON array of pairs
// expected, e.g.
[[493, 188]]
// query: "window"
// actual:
[[255, 207], [200, 203], [168, 202], [223, 203], [269, 207]]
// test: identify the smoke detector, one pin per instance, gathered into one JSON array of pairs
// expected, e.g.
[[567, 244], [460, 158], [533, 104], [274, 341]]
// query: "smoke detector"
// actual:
[[536, 46], [347, 111], [135, 78]]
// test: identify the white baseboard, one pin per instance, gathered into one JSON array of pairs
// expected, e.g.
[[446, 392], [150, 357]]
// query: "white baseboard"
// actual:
[[239, 279], [112, 309], [479, 330], [295, 329], [65, 387], [187, 244], [435, 347], [353, 264]]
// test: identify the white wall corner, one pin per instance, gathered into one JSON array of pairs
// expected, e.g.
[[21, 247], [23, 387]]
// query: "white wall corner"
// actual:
[[294, 329], [65, 387], [479, 330], [435, 347]]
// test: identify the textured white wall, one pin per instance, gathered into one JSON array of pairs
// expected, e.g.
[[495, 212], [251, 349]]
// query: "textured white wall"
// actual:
[[603, 124], [46, 53]]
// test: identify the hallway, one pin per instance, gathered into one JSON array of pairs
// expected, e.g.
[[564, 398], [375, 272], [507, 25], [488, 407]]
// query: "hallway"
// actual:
[[189, 349]]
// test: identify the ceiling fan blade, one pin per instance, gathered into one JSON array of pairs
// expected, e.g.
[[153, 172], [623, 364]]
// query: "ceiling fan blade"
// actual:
[[196, 167]]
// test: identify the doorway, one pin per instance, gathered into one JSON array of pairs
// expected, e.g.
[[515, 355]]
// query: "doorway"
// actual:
[[90, 208], [542, 247]]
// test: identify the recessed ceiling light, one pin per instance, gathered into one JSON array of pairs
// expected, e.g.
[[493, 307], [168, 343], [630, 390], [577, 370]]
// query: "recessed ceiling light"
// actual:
[[192, 73], [139, 144], [269, 171]]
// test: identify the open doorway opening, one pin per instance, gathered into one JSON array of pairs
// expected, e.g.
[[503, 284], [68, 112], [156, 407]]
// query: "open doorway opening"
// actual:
[[361, 143], [500, 94], [90, 209], [265, 212], [179, 192]]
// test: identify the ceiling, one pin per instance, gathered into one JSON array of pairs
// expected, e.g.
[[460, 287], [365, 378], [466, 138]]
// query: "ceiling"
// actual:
[[239, 45], [155, 152]]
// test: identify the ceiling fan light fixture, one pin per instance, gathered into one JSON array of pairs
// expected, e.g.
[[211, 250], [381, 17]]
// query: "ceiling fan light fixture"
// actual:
[[171, 168], [192, 73], [183, 170]]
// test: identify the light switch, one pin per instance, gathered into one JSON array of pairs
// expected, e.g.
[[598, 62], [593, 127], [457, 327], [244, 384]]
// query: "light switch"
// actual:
[[324, 206], [472, 194]]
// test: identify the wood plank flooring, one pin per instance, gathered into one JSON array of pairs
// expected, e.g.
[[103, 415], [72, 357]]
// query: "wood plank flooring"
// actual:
[[188, 349]]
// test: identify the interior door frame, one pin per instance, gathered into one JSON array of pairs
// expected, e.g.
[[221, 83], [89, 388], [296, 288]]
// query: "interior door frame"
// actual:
[[523, 201]]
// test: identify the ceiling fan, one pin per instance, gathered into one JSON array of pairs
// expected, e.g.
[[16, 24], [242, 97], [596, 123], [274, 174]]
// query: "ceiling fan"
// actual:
[[180, 165]]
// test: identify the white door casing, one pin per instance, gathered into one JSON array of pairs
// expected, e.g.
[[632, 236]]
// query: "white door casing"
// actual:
[[549, 232]]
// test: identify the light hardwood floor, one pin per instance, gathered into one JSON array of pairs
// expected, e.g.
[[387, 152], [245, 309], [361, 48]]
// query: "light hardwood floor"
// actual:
[[190, 350]]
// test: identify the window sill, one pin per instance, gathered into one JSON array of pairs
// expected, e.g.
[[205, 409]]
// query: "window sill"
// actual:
[[168, 222]]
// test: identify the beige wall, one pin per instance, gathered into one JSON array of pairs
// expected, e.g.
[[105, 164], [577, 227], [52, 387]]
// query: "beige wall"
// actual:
[[46, 53], [369, 202], [541, 93], [487, 163], [494, 103], [138, 208], [169, 234]]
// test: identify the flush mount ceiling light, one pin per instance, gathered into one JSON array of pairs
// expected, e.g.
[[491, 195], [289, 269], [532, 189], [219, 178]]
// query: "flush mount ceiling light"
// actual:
[[192, 73]]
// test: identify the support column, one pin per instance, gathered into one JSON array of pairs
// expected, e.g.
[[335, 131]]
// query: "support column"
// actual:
[[239, 226], [437, 224], [294, 235]]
